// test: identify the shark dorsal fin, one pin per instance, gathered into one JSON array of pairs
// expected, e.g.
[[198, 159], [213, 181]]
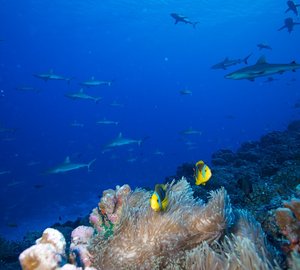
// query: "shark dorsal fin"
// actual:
[[120, 135], [261, 60], [67, 160], [81, 90]]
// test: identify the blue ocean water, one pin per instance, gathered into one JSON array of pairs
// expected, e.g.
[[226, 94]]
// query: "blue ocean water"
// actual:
[[149, 59]]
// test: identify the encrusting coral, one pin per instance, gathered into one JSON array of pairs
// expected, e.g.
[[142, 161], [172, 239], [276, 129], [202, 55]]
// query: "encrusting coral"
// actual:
[[288, 220], [46, 254], [188, 235]]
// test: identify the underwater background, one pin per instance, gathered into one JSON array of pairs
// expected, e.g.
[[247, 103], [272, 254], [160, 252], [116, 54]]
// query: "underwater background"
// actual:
[[149, 60]]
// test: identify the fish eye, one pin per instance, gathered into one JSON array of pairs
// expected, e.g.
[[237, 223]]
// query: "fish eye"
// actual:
[[157, 200]]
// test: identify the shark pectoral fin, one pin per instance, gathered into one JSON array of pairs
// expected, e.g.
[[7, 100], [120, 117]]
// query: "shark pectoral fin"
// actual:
[[281, 28], [257, 72], [287, 10], [251, 79], [89, 170]]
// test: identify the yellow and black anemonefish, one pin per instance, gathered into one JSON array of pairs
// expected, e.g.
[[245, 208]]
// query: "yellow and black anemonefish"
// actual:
[[159, 199], [202, 173]]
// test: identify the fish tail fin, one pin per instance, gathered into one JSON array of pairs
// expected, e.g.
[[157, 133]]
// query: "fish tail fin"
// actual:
[[117, 123], [89, 164], [245, 60]]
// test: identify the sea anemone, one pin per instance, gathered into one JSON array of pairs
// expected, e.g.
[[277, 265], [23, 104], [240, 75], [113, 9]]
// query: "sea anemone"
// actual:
[[188, 235]]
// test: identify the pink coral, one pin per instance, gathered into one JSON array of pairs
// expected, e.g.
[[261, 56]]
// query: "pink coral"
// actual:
[[109, 208], [80, 239], [288, 219], [82, 235], [47, 253]]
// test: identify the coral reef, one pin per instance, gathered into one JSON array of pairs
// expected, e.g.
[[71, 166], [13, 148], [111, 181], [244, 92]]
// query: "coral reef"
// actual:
[[79, 254], [258, 177], [46, 254], [107, 214], [49, 252], [288, 220]]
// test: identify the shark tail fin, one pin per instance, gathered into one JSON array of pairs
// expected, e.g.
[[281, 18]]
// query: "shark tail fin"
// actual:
[[89, 164], [287, 10], [245, 60], [194, 24], [97, 100]]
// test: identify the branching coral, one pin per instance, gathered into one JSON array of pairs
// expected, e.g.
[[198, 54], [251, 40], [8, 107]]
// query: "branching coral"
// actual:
[[188, 235]]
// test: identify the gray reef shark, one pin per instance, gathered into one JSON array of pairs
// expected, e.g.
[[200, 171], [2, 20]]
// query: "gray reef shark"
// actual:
[[5, 172], [264, 46], [51, 76], [180, 18], [228, 63], [92, 82], [76, 124], [185, 92], [27, 89], [190, 131], [292, 7], [120, 141], [68, 166], [260, 69], [289, 24], [107, 122], [81, 95]]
